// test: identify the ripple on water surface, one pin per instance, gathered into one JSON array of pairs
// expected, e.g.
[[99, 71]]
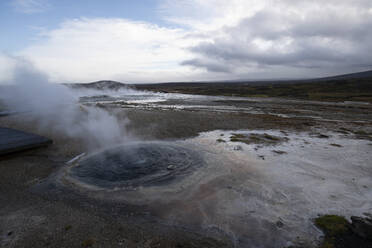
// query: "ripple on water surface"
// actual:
[[136, 164]]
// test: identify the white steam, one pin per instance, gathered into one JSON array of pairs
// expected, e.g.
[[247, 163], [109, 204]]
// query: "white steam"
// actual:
[[56, 108]]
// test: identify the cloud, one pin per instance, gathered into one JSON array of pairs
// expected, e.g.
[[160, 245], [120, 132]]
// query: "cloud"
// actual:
[[210, 65], [212, 39], [31, 6], [205, 15], [101, 48], [311, 36]]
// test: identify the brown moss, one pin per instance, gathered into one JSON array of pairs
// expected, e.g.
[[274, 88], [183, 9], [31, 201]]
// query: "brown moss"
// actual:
[[361, 132], [255, 138], [88, 243], [327, 244], [68, 227], [270, 137], [333, 227], [238, 136], [332, 224]]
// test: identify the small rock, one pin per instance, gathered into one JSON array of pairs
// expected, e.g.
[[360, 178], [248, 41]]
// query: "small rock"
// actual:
[[368, 215], [238, 148], [279, 152], [362, 227], [336, 145], [323, 136], [121, 242], [279, 224]]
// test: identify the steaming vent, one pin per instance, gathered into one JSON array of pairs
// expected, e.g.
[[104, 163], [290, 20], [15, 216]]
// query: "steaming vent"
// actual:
[[136, 164]]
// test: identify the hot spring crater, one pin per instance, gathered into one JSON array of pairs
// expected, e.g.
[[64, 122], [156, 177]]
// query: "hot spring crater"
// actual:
[[135, 164]]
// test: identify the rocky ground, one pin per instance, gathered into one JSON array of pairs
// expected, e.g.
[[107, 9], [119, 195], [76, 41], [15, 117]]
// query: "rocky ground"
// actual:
[[30, 219]]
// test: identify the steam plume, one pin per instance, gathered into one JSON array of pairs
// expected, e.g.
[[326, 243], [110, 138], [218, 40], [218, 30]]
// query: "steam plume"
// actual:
[[56, 107]]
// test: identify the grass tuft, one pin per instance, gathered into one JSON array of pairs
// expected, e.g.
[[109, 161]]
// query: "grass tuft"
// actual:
[[332, 225]]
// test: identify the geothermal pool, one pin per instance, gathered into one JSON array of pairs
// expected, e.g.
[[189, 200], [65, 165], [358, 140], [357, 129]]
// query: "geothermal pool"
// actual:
[[135, 164]]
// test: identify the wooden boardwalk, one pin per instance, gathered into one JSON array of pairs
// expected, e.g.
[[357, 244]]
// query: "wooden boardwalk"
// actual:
[[12, 140]]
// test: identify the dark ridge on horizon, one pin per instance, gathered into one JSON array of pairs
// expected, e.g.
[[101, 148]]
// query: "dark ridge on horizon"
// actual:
[[111, 84], [355, 75], [98, 85], [347, 87]]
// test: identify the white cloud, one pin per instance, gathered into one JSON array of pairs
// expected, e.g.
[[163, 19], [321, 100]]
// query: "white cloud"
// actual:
[[206, 15], [314, 37], [91, 49], [215, 39], [30, 6]]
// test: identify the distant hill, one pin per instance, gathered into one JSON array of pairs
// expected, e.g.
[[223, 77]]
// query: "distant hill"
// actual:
[[364, 74], [99, 85], [357, 75], [348, 87]]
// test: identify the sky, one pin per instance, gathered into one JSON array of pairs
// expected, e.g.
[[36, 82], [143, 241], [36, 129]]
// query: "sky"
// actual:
[[152, 41]]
